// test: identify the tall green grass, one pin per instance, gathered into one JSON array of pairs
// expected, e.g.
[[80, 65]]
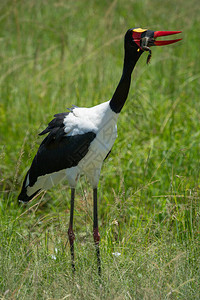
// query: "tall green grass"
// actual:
[[58, 53]]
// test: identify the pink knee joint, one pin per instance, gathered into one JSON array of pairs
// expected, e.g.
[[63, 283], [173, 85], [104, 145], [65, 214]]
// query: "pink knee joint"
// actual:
[[71, 235], [96, 235]]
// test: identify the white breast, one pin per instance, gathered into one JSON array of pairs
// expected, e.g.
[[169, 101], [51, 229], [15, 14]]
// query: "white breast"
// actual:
[[101, 120]]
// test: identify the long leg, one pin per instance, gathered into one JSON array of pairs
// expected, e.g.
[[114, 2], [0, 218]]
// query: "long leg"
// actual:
[[96, 234], [70, 230]]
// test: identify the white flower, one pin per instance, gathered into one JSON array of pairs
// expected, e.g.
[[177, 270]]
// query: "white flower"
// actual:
[[116, 254]]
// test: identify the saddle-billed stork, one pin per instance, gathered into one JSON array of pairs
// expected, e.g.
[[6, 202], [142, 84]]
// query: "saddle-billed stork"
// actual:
[[79, 140]]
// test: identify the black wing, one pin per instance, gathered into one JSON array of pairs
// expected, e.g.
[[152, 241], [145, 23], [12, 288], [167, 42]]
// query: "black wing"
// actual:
[[56, 152]]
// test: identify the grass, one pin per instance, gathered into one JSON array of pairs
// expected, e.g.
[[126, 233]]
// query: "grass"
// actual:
[[58, 53]]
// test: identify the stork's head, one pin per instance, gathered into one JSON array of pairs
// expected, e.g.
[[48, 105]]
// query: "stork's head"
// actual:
[[143, 39]]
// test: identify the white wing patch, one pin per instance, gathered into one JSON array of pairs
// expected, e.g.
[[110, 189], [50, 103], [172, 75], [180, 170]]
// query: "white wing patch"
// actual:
[[78, 123], [47, 181]]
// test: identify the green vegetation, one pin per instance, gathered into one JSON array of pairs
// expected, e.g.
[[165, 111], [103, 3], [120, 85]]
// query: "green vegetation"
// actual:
[[56, 53]]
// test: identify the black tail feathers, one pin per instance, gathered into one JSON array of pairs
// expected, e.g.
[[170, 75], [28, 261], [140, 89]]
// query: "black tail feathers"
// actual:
[[24, 198]]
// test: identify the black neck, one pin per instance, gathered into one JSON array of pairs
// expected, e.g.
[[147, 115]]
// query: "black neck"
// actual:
[[121, 93]]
